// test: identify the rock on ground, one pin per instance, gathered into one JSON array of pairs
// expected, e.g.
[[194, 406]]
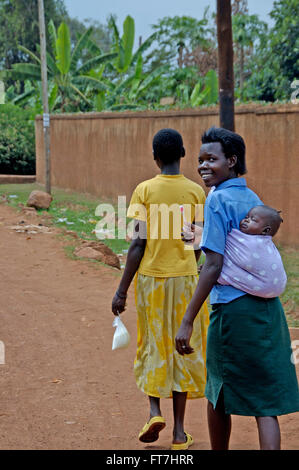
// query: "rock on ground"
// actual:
[[39, 200], [99, 251]]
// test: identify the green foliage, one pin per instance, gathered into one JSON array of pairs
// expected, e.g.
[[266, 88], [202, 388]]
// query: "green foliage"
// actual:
[[63, 49], [207, 94], [274, 65], [17, 142], [185, 87], [248, 33], [284, 41], [19, 25], [175, 35], [181, 64], [101, 34], [69, 82]]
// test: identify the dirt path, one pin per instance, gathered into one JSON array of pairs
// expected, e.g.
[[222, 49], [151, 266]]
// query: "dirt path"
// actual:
[[61, 385]]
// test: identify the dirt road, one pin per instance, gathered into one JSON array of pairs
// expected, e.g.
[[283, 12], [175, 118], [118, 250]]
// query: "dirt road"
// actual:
[[61, 385]]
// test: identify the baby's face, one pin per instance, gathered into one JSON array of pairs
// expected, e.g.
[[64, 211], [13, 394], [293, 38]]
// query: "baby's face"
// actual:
[[254, 223]]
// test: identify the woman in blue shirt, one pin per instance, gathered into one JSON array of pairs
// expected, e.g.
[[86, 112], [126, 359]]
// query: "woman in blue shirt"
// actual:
[[249, 368]]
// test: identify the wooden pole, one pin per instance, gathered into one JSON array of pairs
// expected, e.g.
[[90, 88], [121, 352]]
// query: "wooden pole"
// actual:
[[225, 64], [46, 115]]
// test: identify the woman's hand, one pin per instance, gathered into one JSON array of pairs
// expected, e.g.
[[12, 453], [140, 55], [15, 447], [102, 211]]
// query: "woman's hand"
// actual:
[[118, 304], [182, 339]]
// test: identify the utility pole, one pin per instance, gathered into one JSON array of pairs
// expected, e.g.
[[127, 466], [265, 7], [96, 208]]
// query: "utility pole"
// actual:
[[225, 64], [46, 115]]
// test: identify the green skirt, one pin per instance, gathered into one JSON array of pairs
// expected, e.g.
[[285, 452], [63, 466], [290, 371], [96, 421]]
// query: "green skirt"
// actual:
[[249, 358]]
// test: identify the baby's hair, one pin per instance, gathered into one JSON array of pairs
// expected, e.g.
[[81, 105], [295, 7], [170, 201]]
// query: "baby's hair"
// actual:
[[232, 144], [273, 218], [168, 145]]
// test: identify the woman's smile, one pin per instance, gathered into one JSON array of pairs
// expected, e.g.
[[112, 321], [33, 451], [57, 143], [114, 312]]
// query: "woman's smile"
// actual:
[[205, 174]]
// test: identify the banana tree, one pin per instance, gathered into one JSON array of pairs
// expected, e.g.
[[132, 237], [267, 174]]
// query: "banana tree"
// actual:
[[68, 76], [123, 45], [130, 91], [205, 91], [127, 82]]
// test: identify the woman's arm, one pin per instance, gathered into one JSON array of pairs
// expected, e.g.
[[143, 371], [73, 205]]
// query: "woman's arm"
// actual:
[[208, 278], [135, 255]]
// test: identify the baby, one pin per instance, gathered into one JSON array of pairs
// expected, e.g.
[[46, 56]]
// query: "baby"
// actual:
[[251, 261]]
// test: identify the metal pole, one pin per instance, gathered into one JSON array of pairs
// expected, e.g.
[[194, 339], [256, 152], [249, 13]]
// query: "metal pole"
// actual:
[[46, 115], [225, 64]]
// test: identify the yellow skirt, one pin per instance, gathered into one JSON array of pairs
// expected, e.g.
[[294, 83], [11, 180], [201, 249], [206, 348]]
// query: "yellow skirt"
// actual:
[[159, 368]]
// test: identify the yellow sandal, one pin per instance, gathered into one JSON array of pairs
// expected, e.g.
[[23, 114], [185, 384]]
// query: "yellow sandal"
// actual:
[[150, 431], [184, 445]]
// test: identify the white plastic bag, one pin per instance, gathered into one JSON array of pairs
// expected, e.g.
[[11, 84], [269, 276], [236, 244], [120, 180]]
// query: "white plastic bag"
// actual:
[[121, 336]]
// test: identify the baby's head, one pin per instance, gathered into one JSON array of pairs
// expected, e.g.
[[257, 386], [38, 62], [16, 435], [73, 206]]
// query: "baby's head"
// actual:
[[261, 220]]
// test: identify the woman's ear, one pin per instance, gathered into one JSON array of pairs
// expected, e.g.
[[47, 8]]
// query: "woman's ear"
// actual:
[[232, 161], [183, 152], [155, 157]]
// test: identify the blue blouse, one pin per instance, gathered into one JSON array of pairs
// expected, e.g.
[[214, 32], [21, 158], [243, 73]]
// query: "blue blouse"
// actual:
[[225, 207]]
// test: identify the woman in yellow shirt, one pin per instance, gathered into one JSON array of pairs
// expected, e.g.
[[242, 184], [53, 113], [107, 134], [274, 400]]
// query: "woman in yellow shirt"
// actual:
[[164, 285]]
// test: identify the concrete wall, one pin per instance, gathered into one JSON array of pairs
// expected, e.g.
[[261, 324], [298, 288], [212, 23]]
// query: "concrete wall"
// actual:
[[108, 154]]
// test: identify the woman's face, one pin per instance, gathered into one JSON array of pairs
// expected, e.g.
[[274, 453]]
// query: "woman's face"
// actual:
[[213, 166]]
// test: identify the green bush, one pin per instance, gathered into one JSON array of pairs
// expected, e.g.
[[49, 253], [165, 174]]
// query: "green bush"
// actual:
[[17, 141]]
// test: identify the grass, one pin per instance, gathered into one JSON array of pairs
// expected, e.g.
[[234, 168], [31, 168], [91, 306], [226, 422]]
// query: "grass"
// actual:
[[290, 297], [76, 212], [69, 211]]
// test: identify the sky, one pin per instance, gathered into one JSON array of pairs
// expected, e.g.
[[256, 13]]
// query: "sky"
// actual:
[[147, 12]]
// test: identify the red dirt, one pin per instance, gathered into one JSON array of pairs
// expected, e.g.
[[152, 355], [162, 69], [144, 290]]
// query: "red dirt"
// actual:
[[62, 387]]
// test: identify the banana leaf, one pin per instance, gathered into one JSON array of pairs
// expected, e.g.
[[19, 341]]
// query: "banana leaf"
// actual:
[[53, 37], [211, 82], [82, 43], [93, 82], [151, 77], [95, 61], [24, 71], [63, 49], [128, 41], [144, 46], [31, 54], [79, 93], [53, 96], [23, 98]]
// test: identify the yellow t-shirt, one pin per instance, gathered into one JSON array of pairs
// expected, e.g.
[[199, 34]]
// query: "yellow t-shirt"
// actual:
[[157, 202]]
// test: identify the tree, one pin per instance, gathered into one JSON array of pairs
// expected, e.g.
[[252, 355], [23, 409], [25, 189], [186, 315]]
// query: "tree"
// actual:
[[274, 64], [127, 82], [240, 6], [185, 88], [123, 45], [102, 35], [176, 36], [19, 25], [68, 76], [247, 31], [114, 80], [284, 45]]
